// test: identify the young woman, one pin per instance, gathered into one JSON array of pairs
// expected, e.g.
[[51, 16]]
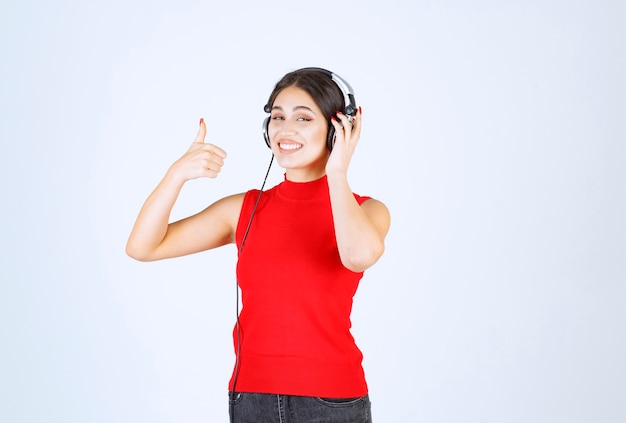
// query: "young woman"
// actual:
[[303, 246]]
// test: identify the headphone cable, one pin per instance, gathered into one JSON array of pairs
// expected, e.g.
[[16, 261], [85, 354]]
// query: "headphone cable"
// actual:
[[237, 324]]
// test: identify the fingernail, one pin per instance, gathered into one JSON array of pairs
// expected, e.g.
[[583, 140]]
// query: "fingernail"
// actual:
[[333, 118], [201, 120], [360, 110]]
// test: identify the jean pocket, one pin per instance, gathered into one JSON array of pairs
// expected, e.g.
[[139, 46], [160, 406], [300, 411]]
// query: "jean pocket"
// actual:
[[339, 402]]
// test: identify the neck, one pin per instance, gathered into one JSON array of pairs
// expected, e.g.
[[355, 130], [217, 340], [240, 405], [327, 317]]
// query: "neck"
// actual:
[[303, 175], [308, 173]]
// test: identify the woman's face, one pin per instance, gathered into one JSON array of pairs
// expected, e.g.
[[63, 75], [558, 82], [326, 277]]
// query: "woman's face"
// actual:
[[298, 131]]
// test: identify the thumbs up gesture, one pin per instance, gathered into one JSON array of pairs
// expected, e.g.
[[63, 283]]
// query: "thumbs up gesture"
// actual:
[[202, 160]]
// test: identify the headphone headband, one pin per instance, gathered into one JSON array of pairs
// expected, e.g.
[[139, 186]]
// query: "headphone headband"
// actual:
[[343, 85]]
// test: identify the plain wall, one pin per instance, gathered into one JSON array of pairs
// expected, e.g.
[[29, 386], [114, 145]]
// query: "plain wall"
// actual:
[[493, 130]]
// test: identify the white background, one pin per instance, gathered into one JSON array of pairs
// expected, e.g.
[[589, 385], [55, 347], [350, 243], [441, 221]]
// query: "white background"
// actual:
[[493, 130]]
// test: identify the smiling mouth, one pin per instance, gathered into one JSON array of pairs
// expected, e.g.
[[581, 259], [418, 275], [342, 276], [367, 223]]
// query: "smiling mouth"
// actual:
[[290, 146]]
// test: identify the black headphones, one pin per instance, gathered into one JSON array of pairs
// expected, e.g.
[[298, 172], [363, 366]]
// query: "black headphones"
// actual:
[[349, 101]]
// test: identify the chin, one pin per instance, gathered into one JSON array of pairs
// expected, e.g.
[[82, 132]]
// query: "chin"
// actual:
[[289, 163]]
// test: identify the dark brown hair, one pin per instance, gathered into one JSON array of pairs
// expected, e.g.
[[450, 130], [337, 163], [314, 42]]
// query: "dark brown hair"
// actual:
[[320, 86]]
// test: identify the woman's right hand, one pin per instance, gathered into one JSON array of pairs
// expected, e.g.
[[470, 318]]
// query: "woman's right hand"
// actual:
[[202, 160]]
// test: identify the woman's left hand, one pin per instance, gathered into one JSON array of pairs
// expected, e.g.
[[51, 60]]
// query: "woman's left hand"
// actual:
[[347, 136]]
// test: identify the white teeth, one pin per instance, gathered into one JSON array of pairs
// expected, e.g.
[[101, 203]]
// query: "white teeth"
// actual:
[[290, 146]]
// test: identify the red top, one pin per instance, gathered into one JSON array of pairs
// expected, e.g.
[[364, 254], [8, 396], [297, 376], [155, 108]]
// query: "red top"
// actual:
[[296, 296]]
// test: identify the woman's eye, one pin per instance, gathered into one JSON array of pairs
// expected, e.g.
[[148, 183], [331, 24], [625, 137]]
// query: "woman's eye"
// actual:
[[298, 119]]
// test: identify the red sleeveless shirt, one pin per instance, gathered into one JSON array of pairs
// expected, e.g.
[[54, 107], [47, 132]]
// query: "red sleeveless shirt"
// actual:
[[296, 296]]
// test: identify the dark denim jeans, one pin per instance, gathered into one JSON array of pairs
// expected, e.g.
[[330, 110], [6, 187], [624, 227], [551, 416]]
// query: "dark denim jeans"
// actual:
[[270, 408]]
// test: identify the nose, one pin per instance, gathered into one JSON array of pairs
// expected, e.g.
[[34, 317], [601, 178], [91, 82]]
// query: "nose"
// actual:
[[282, 128]]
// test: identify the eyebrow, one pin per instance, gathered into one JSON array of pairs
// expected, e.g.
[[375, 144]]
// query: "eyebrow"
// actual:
[[295, 108]]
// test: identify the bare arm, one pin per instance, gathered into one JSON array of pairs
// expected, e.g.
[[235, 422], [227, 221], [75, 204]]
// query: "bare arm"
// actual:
[[154, 238], [360, 230]]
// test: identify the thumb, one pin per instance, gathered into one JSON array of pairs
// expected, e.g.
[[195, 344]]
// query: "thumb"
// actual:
[[201, 133]]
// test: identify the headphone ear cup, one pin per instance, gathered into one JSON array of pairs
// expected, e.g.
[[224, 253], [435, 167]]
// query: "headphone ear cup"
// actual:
[[330, 141], [266, 135]]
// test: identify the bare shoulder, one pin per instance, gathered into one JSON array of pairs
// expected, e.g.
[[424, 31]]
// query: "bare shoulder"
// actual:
[[231, 202], [375, 206], [378, 213], [212, 227], [226, 210]]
